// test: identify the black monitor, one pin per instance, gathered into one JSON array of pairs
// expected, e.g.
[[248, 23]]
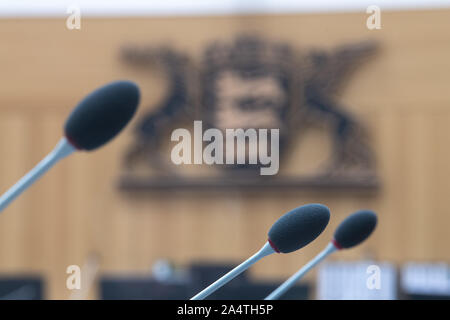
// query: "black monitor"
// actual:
[[202, 274], [141, 288], [426, 297], [256, 290], [16, 287]]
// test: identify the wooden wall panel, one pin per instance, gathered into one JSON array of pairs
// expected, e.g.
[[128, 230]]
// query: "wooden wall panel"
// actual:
[[76, 210]]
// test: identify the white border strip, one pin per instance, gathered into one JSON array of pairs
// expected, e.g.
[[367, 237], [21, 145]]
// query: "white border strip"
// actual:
[[142, 8]]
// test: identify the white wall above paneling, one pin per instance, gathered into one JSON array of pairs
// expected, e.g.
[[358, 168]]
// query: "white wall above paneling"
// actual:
[[118, 8]]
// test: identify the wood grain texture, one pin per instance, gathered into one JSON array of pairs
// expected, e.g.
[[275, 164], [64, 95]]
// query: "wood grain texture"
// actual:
[[75, 210]]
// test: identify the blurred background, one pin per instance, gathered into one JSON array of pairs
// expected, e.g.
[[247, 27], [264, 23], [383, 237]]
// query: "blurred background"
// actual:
[[147, 229]]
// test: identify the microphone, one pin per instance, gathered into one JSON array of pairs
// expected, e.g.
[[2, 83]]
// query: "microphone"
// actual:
[[352, 231], [290, 232], [96, 120]]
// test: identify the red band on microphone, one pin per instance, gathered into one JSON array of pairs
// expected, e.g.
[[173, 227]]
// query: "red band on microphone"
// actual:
[[73, 143], [336, 244], [273, 246]]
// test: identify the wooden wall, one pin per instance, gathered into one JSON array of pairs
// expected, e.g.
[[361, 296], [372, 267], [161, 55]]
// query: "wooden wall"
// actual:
[[402, 95]]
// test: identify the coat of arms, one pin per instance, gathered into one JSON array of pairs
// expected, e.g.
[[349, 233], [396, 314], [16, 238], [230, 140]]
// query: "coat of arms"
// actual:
[[251, 82]]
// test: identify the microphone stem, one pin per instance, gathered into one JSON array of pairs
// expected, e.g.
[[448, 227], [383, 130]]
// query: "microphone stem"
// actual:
[[264, 251], [62, 149], [300, 273]]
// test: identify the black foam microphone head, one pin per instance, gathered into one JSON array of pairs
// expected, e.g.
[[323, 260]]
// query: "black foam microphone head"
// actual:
[[298, 227], [101, 115], [355, 229]]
